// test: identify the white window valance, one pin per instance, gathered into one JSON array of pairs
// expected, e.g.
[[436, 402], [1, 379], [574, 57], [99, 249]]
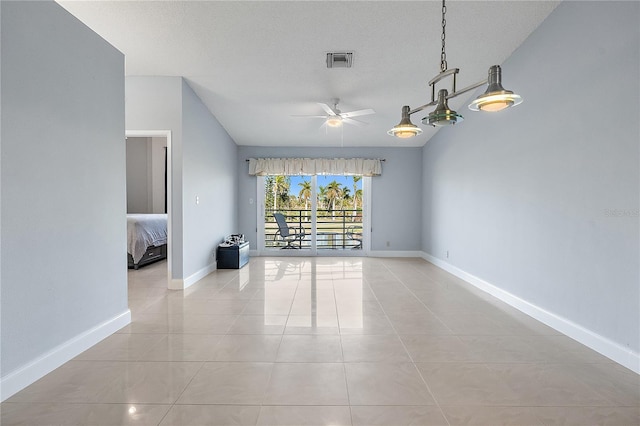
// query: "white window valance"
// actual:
[[315, 166]]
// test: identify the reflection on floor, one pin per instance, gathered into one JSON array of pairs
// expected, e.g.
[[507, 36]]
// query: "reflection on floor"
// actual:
[[328, 341]]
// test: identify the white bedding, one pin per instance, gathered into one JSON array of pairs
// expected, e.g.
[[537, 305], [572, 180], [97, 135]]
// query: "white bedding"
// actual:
[[145, 230]]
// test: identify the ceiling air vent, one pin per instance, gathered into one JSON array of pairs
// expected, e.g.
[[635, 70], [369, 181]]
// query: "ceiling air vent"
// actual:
[[339, 60]]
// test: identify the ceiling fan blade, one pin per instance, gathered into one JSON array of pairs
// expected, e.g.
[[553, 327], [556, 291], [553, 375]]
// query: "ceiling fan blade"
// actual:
[[357, 113], [309, 116], [327, 108], [354, 122]]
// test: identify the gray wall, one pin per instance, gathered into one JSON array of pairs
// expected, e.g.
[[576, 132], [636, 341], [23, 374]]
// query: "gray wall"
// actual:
[[145, 174], [138, 184], [202, 165], [209, 173], [396, 199], [63, 181], [542, 200]]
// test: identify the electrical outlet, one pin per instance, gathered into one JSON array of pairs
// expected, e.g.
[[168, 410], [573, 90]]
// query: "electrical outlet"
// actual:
[[388, 243], [447, 254]]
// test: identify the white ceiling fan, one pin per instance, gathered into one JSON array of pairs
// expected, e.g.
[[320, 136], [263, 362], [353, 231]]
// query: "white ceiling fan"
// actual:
[[335, 117]]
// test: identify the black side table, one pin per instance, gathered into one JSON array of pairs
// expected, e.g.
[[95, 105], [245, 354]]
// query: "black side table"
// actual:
[[234, 256]]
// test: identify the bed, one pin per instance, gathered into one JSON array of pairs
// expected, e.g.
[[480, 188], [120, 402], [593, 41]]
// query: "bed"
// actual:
[[146, 238]]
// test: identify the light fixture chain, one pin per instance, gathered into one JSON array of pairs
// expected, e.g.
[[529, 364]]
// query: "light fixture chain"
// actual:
[[443, 54]]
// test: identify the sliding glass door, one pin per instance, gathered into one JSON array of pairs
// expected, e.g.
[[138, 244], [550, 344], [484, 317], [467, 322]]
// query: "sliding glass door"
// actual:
[[339, 212], [309, 215]]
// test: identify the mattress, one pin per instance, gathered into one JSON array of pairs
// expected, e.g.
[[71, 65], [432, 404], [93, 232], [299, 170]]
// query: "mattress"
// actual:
[[145, 230]]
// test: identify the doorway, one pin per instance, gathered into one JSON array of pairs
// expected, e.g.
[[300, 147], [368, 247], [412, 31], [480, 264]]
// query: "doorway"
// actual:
[[156, 196]]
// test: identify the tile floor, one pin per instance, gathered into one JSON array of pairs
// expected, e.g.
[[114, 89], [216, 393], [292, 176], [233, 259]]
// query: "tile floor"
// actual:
[[328, 341]]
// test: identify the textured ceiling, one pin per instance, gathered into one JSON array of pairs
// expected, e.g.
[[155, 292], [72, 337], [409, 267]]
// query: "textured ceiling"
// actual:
[[254, 64]]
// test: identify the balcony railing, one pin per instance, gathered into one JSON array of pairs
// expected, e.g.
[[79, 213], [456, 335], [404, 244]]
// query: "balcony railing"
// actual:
[[336, 229]]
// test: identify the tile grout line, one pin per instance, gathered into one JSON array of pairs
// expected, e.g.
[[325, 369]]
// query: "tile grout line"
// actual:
[[407, 351], [344, 364]]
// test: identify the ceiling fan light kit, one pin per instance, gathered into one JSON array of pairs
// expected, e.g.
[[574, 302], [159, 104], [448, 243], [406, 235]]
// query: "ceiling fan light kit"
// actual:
[[495, 98], [334, 121]]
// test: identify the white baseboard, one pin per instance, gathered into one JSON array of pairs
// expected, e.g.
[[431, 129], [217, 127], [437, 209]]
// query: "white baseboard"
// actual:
[[46, 363], [394, 253], [618, 353], [181, 284]]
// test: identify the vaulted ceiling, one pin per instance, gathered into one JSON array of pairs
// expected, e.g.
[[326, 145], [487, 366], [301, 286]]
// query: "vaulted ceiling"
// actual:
[[255, 64]]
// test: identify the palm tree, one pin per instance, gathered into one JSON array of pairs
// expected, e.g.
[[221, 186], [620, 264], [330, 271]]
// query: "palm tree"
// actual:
[[322, 197], [334, 192], [305, 193], [281, 186], [269, 192], [356, 179], [346, 197], [357, 197]]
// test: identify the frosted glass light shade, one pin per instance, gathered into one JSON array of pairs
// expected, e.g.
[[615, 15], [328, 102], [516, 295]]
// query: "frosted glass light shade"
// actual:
[[495, 98], [334, 121], [442, 115], [405, 129]]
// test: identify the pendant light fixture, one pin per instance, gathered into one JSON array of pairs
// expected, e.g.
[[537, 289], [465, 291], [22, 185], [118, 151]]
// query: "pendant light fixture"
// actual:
[[495, 98], [442, 115], [405, 129]]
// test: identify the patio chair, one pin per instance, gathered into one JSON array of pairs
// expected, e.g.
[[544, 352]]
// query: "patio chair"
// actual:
[[355, 233], [292, 236]]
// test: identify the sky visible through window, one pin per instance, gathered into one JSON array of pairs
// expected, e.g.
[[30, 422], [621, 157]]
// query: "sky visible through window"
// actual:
[[323, 181]]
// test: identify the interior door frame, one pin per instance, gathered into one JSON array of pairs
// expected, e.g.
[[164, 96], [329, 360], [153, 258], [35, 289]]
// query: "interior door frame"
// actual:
[[167, 135]]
